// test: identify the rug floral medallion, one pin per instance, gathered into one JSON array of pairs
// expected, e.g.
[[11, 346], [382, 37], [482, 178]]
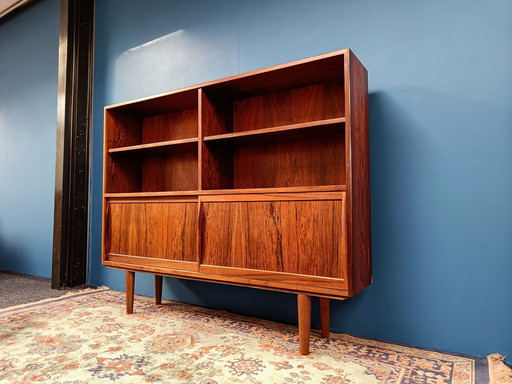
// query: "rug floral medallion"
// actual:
[[88, 338]]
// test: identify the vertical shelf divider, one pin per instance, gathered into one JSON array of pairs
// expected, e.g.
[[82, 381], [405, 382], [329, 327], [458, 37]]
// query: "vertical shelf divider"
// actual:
[[199, 222], [199, 173], [200, 139]]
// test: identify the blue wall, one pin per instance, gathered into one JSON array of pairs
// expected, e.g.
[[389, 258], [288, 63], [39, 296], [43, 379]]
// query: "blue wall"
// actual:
[[29, 42], [440, 77]]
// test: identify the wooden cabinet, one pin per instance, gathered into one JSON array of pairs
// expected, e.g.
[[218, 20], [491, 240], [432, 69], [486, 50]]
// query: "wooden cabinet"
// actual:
[[260, 180]]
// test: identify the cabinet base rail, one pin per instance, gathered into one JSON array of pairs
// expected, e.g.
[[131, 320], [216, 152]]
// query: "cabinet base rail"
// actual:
[[303, 310]]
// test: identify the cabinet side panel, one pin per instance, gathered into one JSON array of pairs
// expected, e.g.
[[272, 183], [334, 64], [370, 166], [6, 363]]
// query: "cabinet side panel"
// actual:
[[299, 105], [299, 237], [153, 230], [360, 183]]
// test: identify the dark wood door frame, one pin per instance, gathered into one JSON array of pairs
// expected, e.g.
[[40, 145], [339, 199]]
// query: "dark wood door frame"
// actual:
[[74, 122]]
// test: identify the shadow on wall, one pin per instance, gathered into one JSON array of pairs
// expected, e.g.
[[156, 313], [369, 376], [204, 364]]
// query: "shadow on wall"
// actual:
[[10, 254], [402, 174], [430, 159], [393, 136]]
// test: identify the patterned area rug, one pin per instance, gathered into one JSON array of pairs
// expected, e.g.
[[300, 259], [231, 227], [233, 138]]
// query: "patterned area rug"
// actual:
[[88, 338]]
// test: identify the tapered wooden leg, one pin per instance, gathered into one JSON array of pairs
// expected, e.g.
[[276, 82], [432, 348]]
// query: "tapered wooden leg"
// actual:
[[304, 306], [325, 316], [130, 285], [158, 289]]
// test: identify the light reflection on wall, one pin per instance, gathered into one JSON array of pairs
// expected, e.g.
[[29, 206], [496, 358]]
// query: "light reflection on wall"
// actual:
[[172, 61]]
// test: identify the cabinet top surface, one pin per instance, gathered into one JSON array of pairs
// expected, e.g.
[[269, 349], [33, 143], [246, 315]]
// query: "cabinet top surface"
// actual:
[[325, 67]]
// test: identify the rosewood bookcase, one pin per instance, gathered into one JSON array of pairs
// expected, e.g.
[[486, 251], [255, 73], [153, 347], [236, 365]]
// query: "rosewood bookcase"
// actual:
[[259, 180]]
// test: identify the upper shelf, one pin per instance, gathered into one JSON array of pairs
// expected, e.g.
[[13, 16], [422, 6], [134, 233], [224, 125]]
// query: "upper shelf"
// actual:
[[288, 130], [154, 146]]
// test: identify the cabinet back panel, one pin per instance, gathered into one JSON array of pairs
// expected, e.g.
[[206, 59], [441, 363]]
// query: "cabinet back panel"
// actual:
[[285, 77], [173, 171], [299, 105], [121, 129], [217, 167], [170, 126], [156, 230], [301, 237], [122, 174], [308, 161], [217, 114]]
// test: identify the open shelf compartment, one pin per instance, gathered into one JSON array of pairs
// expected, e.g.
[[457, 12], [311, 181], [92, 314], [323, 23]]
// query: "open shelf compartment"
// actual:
[[299, 160], [152, 144], [167, 118], [173, 168], [307, 92], [226, 113]]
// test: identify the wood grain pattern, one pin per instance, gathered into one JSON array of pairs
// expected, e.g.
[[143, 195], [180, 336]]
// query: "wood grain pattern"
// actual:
[[175, 170], [300, 162], [294, 163], [217, 113], [120, 175], [320, 69], [217, 164], [294, 106], [122, 129], [160, 146], [176, 100], [274, 197], [323, 188], [216, 161], [158, 264], [200, 135], [170, 126], [316, 188], [325, 316], [153, 230], [174, 197], [291, 131], [301, 237], [272, 277], [158, 289], [274, 284], [304, 315], [360, 221], [130, 289]]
